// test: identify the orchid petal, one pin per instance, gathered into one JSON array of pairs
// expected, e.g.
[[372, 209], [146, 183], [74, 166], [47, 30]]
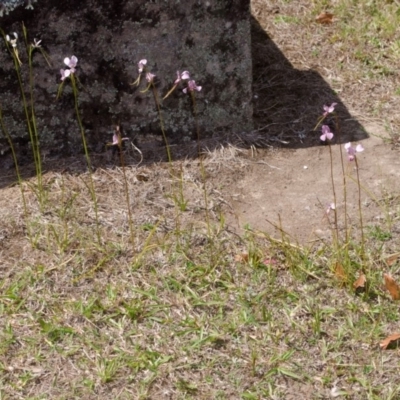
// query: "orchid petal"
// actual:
[[185, 75]]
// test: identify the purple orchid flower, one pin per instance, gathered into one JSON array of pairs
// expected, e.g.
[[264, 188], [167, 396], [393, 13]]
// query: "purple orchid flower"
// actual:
[[180, 76], [352, 151], [117, 138], [150, 77], [329, 109], [71, 63], [191, 87], [65, 73], [326, 133], [141, 65]]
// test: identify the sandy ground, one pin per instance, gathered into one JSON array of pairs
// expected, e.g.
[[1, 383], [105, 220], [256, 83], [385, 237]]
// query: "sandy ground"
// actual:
[[295, 186]]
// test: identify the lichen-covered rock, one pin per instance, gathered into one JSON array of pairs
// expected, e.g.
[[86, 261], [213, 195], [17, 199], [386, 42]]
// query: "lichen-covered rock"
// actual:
[[9, 5], [211, 39]]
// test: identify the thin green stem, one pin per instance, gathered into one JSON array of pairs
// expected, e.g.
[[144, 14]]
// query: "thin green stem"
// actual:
[[17, 171], [336, 238], [319, 122], [127, 197], [35, 136], [35, 143], [157, 101], [179, 201], [360, 207], [85, 147], [31, 124], [338, 132], [202, 170]]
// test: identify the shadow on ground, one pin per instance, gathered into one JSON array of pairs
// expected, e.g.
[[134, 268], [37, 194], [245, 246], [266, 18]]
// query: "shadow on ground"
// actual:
[[287, 105], [288, 102]]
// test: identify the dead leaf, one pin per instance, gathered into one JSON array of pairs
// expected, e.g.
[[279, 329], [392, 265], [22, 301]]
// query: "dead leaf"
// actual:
[[324, 18], [392, 286], [391, 338], [359, 284], [339, 273], [390, 260], [242, 258]]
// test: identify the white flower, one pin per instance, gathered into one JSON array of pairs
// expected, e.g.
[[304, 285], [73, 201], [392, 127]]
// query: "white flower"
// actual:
[[331, 206], [13, 42], [141, 65], [36, 43], [65, 73], [71, 63]]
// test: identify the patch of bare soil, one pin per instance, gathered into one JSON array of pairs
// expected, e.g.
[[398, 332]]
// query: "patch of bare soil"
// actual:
[[292, 189]]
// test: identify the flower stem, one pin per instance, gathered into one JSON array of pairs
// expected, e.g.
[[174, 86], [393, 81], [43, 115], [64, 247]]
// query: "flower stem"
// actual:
[[336, 238], [34, 136], [157, 101], [344, 180], [202, 170], [128, 202], [91, 186], [360, 207], [19, 178], [29, 116]]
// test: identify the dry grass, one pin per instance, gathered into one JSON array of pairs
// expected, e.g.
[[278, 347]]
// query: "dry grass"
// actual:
[[190, 309], [180, 314]]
